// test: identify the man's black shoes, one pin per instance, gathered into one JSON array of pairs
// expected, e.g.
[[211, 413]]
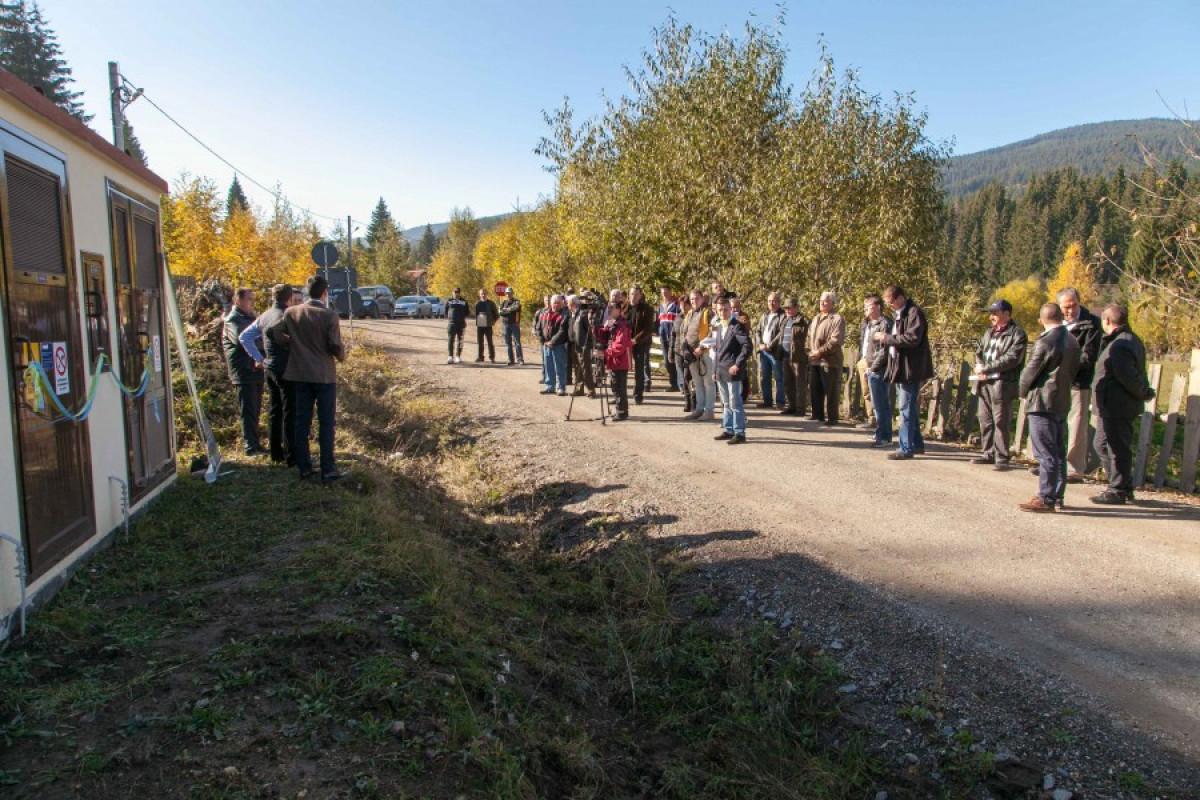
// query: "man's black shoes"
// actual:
[[1110, 499], [899, 455], [330, 477], [737, 439], [723, 435]]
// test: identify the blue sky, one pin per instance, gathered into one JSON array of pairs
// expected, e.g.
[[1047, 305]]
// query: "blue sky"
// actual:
[[438, 105]]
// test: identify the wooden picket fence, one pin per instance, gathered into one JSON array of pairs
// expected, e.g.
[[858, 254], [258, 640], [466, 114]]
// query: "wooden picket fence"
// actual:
[[948, 409]]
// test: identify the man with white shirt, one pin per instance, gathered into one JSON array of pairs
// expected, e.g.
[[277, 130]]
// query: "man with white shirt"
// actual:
[[1085, 327], [731, 347]]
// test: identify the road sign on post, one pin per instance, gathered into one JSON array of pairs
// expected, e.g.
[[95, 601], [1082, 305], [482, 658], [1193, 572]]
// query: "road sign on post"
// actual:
[[500, 288], [324, 254]]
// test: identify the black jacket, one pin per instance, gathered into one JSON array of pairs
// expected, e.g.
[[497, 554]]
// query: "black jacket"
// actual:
[[275, 354], [510, 310], [641, 321], [241, 366], [1002, 352], [909, 358], [1120, 383], [1087, 332], [1046, 380], [875, 353], [554, 327], [580, 333], [734, 348], [488, 309], [456, 312]]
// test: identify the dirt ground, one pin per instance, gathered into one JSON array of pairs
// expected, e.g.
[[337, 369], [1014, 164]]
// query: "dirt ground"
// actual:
[[1071, 641]]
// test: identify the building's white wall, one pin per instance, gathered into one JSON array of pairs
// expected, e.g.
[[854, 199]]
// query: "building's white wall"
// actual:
[[87, 172]]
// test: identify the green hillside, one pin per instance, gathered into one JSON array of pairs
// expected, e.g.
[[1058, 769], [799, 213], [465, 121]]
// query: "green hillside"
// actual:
[[439, 228], [1094, 149]]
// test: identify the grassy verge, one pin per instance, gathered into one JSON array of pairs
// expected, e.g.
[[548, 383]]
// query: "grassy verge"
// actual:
[[417, 631]]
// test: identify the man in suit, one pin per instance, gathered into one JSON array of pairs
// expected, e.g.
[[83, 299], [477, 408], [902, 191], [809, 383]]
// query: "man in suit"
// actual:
[[731, 346], [245, 372], [314, 338], [1085, 327], [281, 397], [1121, 391], [826, 335], [1045, 383]]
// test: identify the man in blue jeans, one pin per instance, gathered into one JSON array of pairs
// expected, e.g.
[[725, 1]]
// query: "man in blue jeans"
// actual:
[[909, 364], [731, 347], [556, 328], [313, 335], [770, 354]]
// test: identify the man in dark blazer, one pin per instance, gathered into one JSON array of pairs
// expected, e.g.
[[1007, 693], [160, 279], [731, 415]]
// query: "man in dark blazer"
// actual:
[[1045, 383], [486, 315], [731, 350], [245, 372], [314, 338], [1085, 327], [1121, 390], [910, 363]]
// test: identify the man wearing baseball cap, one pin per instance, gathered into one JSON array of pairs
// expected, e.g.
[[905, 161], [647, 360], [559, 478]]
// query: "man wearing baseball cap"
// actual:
[[510, 313], [999, 357]]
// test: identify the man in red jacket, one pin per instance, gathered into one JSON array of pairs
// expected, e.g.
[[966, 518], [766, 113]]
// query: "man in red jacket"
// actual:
[[617, 357]]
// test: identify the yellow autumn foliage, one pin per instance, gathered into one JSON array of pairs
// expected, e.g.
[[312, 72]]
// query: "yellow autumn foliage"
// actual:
[[1027, 297], [1074, 272]]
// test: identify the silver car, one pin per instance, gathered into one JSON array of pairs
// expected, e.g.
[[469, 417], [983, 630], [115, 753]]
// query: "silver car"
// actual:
[[436, 305], [413, 306]]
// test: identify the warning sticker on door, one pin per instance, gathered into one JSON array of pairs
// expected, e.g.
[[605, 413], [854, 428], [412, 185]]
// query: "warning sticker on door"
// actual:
[[62, 377], [156, 344]]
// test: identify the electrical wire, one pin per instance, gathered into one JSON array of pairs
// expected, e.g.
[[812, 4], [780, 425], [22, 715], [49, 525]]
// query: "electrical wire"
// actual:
[[138, 92]]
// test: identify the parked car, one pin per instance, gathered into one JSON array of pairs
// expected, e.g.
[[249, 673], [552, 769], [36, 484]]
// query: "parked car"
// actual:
[[436, 305], [344, 303], [378, 302], [413, 306]]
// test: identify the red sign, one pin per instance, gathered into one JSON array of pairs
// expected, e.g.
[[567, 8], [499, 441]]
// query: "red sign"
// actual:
[[500, 288]]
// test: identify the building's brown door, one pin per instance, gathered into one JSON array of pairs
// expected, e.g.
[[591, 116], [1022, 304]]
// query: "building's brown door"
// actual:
[[142, 341], [42, 322]]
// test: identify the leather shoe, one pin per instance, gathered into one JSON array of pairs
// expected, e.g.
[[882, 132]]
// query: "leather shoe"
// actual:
[[983, 460], [787, 410], [737, 439], [1108, 499], [1000, 466], [330, 477], [877, 445], [899, 456], [1075, 477], [1036, 506], [723, 435]]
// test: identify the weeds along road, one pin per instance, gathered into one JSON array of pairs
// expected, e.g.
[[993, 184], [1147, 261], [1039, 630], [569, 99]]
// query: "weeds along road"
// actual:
[[1107, 597]]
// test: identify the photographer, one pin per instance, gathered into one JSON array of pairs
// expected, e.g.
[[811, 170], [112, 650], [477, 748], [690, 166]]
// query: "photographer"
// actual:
[[618, 338]]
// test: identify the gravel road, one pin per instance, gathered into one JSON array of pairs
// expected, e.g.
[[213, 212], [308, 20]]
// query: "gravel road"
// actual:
[[1069, 640]]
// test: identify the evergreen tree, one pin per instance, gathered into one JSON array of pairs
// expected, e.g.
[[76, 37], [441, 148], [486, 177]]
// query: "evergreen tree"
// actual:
[[133, 145], [423, 254], [29, 49], [236, 200], [381, 222]]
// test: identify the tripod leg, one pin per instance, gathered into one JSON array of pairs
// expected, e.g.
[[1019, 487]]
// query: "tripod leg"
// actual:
[[570, 406]]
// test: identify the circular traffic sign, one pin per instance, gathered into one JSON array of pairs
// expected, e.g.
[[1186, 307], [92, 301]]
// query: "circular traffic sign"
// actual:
[[324, 254], [500, 288]]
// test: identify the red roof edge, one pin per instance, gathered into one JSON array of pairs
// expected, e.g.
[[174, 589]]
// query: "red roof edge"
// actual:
[[32, 99]]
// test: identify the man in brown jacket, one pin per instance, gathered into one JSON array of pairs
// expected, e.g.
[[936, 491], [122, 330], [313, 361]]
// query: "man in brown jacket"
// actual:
[[826, 335], [314, 336]]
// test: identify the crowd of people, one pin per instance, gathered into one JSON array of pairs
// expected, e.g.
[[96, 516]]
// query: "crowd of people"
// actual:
[[709, 342]]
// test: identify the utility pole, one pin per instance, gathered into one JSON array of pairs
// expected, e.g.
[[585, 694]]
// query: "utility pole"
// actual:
[[118, 112]]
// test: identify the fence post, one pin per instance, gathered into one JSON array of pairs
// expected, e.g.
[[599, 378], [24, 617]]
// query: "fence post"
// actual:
[[1147, 428], [1164, 456], [1019, 436], [962, 400], [1191, 436], [936, 386]]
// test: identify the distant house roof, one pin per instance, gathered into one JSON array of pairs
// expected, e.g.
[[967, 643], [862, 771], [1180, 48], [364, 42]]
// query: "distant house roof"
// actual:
[[32, 99]]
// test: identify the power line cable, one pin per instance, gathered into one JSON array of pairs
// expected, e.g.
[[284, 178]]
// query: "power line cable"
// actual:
[[138, 92]]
